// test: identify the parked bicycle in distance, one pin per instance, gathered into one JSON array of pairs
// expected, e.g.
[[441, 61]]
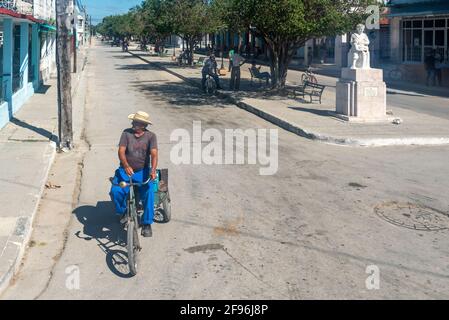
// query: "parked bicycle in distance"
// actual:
[[308, 76]]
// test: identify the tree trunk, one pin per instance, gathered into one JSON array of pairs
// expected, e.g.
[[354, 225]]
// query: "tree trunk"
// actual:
[[281, 55], [65, 129], [191, 46], [75, 38]]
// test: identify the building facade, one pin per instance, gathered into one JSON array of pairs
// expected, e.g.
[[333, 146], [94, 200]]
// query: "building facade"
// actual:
[[46, 10], [19, 53], [28, 49], [79, 13], [419, 28]]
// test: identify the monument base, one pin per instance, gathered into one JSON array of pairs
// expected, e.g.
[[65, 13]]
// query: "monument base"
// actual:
[[362, 96], [386, 119]]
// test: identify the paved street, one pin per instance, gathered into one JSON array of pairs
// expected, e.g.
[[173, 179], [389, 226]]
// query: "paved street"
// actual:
[[309, 231]]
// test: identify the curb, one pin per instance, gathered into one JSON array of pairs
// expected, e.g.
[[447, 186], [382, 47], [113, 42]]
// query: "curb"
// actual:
[[24, 226], [293, 128]]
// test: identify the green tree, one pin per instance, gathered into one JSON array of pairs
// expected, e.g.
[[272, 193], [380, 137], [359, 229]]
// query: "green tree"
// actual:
[[155, 21], [286, 25], [191, 19]]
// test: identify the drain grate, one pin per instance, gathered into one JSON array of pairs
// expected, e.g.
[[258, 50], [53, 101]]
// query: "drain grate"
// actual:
[[413, 216]]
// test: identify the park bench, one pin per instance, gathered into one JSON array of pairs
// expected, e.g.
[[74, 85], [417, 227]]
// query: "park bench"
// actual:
[[255, 74], [313, 90]]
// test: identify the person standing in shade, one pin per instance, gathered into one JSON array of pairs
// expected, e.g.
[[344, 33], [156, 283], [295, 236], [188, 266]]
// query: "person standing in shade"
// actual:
[[429, 62], [438, 68], [235, 63]]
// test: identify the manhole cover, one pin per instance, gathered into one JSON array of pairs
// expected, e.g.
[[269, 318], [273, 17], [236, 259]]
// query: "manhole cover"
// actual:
[[413, 216]]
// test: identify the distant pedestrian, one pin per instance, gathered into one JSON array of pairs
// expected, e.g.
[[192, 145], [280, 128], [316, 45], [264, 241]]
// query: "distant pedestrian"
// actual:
[[429, 63], [438, 68], [230, 54], [236, 62]]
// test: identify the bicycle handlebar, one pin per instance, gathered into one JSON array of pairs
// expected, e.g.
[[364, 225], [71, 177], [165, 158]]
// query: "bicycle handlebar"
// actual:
[[124, 184]]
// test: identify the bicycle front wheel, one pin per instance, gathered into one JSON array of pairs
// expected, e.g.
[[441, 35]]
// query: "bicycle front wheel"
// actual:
[[133, 247]]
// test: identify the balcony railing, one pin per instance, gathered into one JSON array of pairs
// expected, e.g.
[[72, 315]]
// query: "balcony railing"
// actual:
[[19, 6]]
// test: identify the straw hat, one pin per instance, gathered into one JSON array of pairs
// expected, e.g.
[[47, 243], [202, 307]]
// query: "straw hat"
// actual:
[[140, 116]]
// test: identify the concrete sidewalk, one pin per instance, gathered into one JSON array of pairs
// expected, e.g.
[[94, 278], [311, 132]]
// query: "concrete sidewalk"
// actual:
[[27, 151], [315, 121], [332, 71]]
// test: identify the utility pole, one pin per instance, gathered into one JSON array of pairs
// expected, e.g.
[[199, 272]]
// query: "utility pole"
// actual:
[[65, 129], [75, 38], [91, 31]]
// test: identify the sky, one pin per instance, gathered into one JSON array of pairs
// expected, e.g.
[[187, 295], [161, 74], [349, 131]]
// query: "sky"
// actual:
[[101, 8]]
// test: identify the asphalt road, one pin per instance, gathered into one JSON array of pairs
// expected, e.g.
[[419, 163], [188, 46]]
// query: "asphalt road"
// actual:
[[309, 231]]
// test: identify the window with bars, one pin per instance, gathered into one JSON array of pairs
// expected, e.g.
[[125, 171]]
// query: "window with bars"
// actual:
[[421, 36]]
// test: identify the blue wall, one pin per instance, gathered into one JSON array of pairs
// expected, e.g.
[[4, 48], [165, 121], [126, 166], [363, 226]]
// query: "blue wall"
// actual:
[[14, 101]]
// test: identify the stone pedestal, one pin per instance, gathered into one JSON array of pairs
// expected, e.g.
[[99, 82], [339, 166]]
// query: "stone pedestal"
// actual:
[[361, 95]]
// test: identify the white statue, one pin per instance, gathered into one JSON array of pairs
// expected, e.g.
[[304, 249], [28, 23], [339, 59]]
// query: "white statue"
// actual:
[[359, 56]]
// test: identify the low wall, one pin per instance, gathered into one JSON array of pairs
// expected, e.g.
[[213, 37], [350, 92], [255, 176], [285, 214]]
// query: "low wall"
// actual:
[[4, 114], [18, 100]]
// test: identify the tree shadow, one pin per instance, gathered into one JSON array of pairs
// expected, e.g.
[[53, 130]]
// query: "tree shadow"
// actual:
[[318, 112], [45, 133], [102, 225], [189, 98], [177, 94], [136, 67], [124, 56], [42, 89]]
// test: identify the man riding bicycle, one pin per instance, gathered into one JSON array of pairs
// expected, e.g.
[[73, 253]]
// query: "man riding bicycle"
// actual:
[[137, 147], [210, 68], [125, 44]]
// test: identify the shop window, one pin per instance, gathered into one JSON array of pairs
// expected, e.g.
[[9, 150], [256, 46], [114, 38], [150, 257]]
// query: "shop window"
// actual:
[[441, 23], [428, 38], [417, 24], [428, 23], [439, 37], [422, 36], [17, 82], [412, 41]]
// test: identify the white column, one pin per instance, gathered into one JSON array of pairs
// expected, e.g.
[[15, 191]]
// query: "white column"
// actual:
[[395, 40], [341, 51], [24, 45]]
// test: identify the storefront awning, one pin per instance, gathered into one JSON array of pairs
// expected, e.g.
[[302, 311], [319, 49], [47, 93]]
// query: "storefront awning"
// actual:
[[425, 8], [47, 28]]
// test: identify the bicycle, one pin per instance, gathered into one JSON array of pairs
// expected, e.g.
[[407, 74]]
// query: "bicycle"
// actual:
[[143, 47], [134, 214], [210, 85], [308, 76]]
